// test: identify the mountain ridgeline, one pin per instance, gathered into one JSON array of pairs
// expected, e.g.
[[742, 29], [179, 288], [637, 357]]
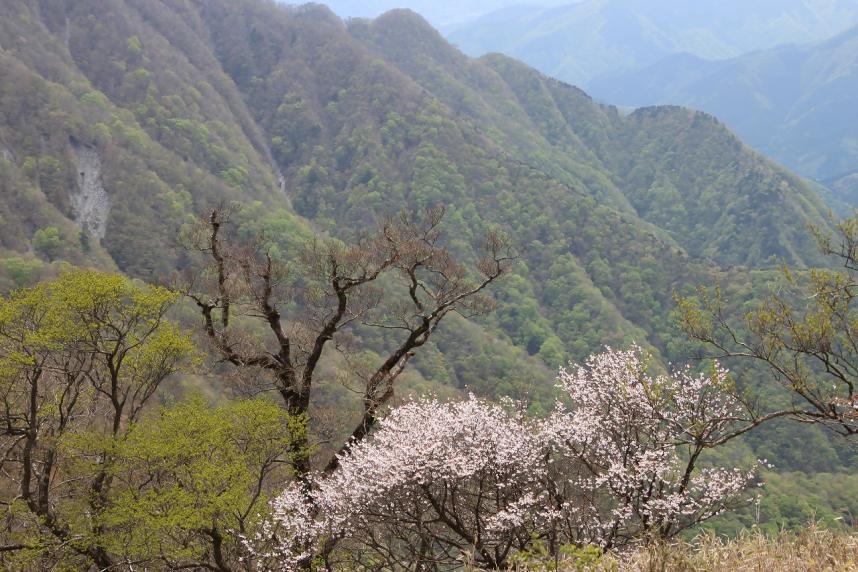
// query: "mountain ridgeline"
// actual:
[[443, 14], [581, 42], [793, 103]]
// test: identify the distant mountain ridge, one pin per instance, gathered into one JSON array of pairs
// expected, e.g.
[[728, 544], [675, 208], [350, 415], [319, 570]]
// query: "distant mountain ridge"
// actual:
[[443, 14], [793, 103], [579, 43]]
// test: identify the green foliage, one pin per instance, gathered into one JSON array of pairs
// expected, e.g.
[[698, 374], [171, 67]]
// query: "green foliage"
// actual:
[[134, 46], [83, 352], [188, 105], [21, 271], [47, 242], [84, 310], [573, 558], [189, 469], [802, 330], [94, 98], [235, 177]]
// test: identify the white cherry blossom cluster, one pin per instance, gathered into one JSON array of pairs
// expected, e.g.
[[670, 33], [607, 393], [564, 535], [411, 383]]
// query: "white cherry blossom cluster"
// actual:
[[616, 459], [289, 538], [447, 476], [630, 443]]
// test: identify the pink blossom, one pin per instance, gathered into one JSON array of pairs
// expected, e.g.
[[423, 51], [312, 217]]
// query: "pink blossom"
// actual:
[[616, 459], [628, 443]]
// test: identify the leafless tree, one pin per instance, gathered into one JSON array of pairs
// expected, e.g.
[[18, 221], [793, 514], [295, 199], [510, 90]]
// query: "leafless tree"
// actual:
[[399, 278]]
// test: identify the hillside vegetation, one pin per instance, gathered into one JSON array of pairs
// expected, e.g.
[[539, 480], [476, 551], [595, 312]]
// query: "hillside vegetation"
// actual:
[[120, 121], [189, 104]]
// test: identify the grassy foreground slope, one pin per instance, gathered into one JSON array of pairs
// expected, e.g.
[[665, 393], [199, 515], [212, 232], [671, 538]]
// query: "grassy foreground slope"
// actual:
[[812, 549]]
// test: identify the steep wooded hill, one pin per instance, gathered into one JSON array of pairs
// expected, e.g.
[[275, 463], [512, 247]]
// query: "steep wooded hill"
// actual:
[[121, 119]]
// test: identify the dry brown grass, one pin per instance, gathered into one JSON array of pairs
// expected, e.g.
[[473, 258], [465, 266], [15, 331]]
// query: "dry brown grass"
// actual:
[[811, 550]]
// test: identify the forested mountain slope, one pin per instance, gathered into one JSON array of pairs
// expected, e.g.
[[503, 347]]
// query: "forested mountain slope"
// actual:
[[166, 130], [120, 120], [793, 103], [580, 42], [174, 105]]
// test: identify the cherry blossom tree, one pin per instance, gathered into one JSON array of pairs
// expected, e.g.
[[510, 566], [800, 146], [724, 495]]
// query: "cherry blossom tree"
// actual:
[[289, 538], [434, 481], [617, 460], [437, 480], [627, 447]]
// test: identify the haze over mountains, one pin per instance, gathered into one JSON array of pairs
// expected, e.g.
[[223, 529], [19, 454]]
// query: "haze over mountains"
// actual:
[[580, 42], [793, 103], [443, 14], [781, 74]]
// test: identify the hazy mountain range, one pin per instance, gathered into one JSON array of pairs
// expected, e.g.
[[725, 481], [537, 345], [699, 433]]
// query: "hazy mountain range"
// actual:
[[782, 73], [793, 103], [578, 43], [444, 14]]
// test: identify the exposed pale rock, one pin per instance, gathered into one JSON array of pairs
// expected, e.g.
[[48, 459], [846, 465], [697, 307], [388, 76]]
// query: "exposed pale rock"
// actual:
[[90, 203]]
